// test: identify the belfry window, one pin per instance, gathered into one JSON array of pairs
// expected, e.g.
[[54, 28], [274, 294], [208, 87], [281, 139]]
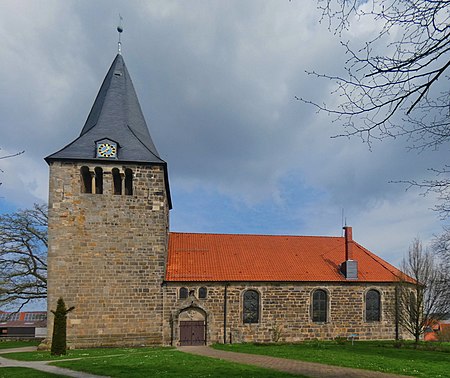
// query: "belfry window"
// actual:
[[251, 307], [373, 306], [98, 180], [117, 181], [183, 293], [319, 306], [128, 182], [86, 180]]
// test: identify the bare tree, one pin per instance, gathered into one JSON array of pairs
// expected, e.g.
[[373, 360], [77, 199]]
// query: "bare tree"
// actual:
[[441, 247], [23, 257], [396, 83], [423, 294], [10, 156]]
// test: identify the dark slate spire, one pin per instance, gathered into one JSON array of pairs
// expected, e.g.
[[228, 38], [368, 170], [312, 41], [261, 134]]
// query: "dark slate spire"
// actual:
[[117, 116]]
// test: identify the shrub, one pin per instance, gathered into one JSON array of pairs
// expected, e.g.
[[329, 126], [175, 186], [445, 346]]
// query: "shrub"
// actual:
[[276, 333], [340, 340], [59, 346]]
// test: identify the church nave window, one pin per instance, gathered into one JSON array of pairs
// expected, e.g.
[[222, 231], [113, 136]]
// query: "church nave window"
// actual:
[[251, 307], [183, 293], [319, 306], [202, 292], [373, 306]]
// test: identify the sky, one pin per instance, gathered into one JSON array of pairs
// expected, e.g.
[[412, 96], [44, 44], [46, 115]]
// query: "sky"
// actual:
[[217, 82]]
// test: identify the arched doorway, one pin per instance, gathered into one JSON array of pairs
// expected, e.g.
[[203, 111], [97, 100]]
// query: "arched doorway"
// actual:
[[192, 327]]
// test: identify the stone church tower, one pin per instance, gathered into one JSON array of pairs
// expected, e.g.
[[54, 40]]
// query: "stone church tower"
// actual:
[[109, 207]]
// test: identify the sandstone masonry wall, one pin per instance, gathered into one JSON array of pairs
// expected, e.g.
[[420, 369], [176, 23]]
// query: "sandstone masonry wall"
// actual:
[[285, 311], [107, 255]]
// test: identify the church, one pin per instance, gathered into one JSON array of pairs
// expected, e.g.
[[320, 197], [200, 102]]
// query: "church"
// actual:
[[134, 282]]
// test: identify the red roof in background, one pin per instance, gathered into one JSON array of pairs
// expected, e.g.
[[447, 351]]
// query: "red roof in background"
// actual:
[[222, 257], [23, 319]]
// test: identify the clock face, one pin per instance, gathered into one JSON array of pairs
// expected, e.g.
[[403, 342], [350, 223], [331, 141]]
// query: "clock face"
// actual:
[[106, 150]]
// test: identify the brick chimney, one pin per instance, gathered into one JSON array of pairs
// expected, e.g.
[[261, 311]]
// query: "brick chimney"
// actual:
[[349, 267], [348, 243]]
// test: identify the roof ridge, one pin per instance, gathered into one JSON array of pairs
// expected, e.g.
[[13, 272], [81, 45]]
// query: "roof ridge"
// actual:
[[248, 234]]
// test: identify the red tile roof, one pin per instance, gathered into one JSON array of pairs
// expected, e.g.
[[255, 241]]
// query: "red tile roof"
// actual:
[[222, 257]]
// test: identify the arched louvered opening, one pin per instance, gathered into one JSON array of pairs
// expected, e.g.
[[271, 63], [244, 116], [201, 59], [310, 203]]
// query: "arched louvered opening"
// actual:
[[86, 180], [117, 181], [98, 180], [128, 182]]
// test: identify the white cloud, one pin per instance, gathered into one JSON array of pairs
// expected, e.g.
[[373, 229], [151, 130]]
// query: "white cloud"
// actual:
[[216, 81]]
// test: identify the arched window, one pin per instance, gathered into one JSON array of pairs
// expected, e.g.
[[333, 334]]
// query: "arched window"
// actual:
[[98, 180], [86, 180], [373, 306], [202, 292], [319, 306], [128, 182], [117, 181], [183, 293], [251, 307]]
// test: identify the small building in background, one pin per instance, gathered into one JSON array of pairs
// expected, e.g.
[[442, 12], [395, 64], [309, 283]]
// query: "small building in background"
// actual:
[[435, 332], [29, 324]]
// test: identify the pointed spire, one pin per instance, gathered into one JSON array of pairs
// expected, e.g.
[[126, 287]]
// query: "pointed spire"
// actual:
[[115, 115]]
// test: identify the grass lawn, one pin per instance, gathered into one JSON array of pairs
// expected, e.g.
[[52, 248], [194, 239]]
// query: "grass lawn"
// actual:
[[17, 344], [147, 362], [370, 355], [17, 372]]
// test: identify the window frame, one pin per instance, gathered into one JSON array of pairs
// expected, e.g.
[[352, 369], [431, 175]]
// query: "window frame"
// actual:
[[319, 315], [200, 290], [181, 292], [251, 307], [370, 311]]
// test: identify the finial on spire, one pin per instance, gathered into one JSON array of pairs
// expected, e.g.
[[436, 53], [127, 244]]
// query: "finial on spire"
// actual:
[[120, 30]]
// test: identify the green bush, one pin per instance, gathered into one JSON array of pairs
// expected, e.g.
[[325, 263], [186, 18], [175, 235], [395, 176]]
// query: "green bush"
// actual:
[[340, 340], [59, 345]]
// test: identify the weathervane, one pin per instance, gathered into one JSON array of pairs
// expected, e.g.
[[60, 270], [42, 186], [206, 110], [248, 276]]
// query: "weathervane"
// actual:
[[120, 30]]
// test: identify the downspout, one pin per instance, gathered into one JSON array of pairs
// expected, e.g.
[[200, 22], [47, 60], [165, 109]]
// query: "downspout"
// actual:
[[225, 294], [397, 336]]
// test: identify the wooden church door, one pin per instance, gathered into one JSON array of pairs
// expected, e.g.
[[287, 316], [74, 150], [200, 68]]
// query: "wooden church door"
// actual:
[[192, 333]]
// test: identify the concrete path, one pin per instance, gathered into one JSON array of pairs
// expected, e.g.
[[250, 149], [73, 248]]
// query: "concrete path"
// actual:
[[309, 369], [41, 365]]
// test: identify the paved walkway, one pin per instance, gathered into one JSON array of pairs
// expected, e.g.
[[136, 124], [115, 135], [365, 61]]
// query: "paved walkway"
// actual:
[[41, 365], [309, 369]]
